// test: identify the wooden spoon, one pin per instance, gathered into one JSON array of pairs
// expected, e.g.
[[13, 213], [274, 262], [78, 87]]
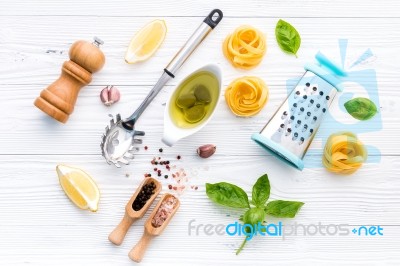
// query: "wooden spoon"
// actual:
[[130, 216], [137, 252]]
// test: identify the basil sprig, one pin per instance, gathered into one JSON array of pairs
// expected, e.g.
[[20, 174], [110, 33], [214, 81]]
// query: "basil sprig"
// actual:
[[288, 38], [361, 108], [230, 195]]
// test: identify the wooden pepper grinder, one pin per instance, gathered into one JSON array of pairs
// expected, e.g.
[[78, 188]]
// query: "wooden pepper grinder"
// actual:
[[58, 99]]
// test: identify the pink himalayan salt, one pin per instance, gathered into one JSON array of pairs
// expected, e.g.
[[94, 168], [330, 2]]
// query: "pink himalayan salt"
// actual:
[[164, 211]]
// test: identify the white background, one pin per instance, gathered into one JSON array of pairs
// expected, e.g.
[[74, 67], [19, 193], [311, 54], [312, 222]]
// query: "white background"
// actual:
[[40, 226]]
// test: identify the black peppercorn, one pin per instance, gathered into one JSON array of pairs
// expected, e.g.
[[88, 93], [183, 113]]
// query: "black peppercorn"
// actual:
[[143, 196]]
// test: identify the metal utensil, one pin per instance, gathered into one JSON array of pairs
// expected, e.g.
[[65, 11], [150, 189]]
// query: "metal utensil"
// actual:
[[118, 141], [291, 130]]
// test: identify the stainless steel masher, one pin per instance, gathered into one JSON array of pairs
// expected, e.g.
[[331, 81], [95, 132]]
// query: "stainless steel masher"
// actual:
[[118, 142]]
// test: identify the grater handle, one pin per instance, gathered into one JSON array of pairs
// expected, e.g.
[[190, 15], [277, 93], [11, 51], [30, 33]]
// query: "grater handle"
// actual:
[[328, 71], [330, 65]]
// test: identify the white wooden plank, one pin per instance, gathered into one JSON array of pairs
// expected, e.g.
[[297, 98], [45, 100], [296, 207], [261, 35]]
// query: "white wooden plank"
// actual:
[[38, 224], [26, 58], [49, 224], [33, 132], [361, 198], [248, 8]]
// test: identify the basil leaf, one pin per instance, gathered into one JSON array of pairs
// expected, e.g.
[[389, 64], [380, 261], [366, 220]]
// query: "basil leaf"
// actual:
[[287, 37], [361, 108], [253, 216], [283, 208], [228, 195], [261, 191]]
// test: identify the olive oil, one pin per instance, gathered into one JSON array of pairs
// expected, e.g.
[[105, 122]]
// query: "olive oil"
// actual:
[[194, 100]]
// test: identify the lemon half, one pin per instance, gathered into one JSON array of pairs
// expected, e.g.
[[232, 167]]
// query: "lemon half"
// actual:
[[146, 42]]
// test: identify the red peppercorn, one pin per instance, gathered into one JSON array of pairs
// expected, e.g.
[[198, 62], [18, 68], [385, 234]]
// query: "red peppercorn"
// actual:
[[146, 148], [170, 186]]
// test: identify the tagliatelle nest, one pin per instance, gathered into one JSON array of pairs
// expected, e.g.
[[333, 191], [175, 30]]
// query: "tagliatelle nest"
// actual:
[[246, 96], [245, 47], [344, 153]]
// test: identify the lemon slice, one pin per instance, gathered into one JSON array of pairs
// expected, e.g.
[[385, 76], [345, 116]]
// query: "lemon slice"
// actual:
[[79, 187], [146, 42]]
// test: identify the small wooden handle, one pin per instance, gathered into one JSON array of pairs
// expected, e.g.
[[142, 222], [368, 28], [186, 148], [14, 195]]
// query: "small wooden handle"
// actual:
[[137, 252], [119, 233]]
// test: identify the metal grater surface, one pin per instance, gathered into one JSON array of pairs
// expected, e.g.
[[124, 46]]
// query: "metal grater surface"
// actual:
[[297, 120], [290, 131]]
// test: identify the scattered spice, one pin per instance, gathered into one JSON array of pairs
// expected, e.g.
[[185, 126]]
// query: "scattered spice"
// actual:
[[164, 211], [160, 150], [146, 148], [143, 196], [179, 179]]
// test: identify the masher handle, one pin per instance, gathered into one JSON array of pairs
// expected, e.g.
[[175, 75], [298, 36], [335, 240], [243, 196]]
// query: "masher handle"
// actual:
[[119, 233], [209, 23], [137, 252]]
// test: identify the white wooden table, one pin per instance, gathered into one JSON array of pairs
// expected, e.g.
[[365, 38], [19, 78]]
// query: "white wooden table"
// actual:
[[40, 226]]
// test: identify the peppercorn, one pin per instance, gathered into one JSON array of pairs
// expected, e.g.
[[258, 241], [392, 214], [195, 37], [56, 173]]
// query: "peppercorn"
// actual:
[[160, 150], [178, 157], [143, 196], [166, 176]]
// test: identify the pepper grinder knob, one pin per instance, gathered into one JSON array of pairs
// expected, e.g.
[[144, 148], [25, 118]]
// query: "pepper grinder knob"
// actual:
[[58, 99]]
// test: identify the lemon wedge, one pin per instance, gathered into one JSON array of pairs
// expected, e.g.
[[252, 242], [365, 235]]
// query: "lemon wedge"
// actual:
[[146, 42], [79, 187]]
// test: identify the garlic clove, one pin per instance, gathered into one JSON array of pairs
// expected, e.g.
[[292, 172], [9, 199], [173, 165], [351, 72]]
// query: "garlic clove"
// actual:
[[110, 95], [206, 151]]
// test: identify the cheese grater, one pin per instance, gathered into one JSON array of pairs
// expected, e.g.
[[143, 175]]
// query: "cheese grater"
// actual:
[[290, 131]]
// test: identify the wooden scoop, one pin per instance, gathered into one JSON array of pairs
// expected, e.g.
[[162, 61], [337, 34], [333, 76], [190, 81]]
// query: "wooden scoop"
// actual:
[[137, 252], [118, 235]]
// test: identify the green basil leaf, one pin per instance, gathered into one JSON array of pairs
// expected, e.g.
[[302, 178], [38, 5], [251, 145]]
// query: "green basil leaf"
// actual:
[[228, 195], [261, 191], [253, 216], [283, 208], [287, 37], [361, 108]]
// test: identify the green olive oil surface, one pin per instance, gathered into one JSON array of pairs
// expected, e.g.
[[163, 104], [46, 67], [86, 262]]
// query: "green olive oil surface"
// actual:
[[194, 100]]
